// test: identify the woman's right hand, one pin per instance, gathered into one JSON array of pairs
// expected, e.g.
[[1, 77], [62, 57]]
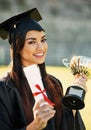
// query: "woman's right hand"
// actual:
[[80, 80], [42, 113]]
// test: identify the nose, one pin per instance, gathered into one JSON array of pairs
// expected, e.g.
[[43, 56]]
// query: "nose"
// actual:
[[39, 46]]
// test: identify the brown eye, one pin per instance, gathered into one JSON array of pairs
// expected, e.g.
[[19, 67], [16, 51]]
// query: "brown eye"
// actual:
[[44, 40], [32, 42]]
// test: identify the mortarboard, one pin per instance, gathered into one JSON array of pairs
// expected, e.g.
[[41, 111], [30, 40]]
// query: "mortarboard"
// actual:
[[20, 24], [5, 26]]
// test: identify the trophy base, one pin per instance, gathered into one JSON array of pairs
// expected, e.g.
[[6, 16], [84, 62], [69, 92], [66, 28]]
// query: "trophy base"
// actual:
[[74, 98]]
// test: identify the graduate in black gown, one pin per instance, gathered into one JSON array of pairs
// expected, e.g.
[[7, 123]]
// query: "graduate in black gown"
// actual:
[[30, 98]]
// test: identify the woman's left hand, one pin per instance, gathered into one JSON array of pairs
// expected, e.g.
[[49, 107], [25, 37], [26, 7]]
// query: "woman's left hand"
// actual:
[[80, 80]]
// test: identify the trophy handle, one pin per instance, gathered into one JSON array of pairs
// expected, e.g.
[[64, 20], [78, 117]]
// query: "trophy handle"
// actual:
[[66, 63]]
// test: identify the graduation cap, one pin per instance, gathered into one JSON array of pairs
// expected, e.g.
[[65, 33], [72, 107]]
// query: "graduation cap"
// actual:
[[18, 25], [6, 25]]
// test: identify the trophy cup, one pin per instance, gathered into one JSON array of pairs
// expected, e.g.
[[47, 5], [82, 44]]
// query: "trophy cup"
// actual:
[[74, 97]]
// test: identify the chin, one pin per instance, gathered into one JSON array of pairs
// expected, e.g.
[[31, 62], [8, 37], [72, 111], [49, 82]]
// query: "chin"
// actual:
[[40, 62]]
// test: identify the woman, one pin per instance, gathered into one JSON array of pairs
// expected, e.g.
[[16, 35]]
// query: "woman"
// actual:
[[31, 99]]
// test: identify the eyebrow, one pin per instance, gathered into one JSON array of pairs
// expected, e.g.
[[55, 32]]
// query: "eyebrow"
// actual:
[[31, 38]]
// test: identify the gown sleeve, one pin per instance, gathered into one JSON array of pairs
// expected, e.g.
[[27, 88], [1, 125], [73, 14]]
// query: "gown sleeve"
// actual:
[[6, 122], [79, 124], [70, 122]]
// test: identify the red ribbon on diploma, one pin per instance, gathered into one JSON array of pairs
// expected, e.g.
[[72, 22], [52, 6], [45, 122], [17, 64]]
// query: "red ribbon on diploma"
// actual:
[[42, 92]]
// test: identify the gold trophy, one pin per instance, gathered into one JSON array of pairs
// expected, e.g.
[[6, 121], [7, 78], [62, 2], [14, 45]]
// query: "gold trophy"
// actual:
[[74, 97]]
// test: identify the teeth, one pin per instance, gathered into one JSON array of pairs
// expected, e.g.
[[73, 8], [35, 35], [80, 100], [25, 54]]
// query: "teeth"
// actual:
[[40, 54]]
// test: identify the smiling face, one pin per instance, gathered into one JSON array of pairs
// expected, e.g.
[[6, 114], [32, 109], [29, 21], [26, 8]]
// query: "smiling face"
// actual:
[[35, 48]]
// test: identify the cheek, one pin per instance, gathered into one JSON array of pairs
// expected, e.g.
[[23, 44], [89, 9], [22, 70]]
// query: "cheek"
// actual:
[[27, 53], [46, 47], [26, 50]]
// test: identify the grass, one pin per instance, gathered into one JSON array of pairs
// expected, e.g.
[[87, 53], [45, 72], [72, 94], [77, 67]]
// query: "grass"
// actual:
[[64, 75]]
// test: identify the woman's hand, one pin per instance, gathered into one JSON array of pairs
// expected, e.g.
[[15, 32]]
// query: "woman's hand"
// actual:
[[80, 80], [42, 113]]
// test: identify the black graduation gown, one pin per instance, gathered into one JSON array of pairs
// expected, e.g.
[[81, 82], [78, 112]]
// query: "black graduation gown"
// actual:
[[12, 116]]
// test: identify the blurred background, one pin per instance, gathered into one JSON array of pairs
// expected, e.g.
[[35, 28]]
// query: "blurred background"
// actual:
[[67, 24]]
